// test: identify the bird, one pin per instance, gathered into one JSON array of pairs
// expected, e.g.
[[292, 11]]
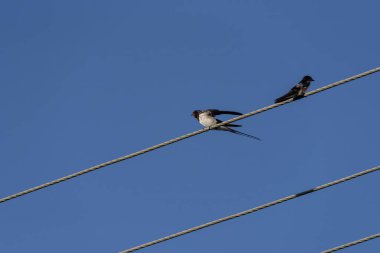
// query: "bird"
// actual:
[[207, 119], [298, 91]]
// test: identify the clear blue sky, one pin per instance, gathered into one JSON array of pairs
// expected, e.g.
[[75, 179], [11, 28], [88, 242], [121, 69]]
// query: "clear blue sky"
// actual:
[[83, 82]]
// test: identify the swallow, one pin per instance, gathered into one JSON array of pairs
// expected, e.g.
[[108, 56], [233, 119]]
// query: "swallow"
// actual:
[[298, 91], [207, 119]]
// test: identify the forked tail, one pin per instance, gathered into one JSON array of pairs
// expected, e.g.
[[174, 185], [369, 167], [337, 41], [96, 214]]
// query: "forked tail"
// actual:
[[243, 134]]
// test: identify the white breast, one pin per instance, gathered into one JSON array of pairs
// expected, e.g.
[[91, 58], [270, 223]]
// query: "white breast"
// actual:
[[206, 120]]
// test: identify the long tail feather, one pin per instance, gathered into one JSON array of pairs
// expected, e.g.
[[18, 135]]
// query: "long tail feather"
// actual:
[[243, 134], [233, 125]]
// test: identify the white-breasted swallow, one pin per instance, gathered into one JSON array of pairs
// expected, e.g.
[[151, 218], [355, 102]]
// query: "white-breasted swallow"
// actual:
[[207, 119], [298, 91]]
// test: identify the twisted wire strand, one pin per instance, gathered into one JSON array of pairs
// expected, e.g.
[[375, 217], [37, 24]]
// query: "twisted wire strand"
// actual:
[[252, 210], [163, 144], [352, 243]]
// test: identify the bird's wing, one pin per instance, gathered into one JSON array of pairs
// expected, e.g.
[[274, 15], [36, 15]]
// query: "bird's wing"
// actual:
[[293, 92], [215, 112]]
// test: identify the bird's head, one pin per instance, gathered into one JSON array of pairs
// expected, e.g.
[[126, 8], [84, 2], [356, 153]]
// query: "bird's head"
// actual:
[[306, 79], [195, 114]]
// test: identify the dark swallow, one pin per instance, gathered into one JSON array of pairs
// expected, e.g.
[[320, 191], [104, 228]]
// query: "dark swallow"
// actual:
[[207, 119], [298, 91]]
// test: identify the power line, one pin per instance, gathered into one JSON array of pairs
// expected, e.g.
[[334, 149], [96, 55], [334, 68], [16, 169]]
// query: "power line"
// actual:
[[352, 243], [252, 210], [163, 144]]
